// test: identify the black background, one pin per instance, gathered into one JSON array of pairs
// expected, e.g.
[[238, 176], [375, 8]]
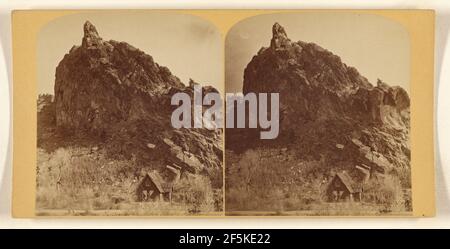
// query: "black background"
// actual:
[[280, 238]]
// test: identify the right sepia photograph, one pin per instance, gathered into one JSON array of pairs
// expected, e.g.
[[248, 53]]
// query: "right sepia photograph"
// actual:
[[342, 145]]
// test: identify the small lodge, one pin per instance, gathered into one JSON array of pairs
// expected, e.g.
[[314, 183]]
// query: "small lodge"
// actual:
[[153, 187], [343, 188], [346, 187]]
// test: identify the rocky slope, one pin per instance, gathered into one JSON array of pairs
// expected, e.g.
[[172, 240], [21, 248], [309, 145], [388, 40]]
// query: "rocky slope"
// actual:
[[115, 98], [328, 111]]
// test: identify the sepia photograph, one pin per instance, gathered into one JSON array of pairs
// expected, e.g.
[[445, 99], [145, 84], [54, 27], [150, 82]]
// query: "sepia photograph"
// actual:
[[105, 143], [210, 113], [343, 146], [210, 119]]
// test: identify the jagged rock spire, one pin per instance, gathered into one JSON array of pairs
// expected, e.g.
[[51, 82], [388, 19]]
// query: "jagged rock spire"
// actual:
[[279, 37], [91, 37], [278, 31]]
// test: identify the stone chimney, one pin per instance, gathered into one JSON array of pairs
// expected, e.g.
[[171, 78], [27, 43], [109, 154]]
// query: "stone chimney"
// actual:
[[175, 171]]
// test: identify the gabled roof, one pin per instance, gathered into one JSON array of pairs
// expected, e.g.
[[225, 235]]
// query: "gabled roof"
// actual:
[[351, 185], [160, 184]]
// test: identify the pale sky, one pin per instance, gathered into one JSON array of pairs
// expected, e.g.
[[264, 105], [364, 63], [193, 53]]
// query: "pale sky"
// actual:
[[377, 47], [192, 47], [189, 46]]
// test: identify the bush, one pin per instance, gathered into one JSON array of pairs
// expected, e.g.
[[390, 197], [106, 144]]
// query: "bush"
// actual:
[[73, 178], [196, 193], [267, 181], [386, 192]]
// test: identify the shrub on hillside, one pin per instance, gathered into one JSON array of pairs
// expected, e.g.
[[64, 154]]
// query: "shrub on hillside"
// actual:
[[386, 192], [196, 193]]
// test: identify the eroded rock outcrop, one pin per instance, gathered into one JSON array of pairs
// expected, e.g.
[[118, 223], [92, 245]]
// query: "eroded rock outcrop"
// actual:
[[114, 95], [324, 103]]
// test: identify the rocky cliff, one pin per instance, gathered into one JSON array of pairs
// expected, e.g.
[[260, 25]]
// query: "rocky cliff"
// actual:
[[113, 96], [328, 110]]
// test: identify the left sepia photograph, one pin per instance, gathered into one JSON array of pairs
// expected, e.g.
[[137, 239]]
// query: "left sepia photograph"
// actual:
[[105, 142]]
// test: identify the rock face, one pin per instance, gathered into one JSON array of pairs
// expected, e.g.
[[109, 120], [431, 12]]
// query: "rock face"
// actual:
[[116, 95], [102, 83], [325, 103]]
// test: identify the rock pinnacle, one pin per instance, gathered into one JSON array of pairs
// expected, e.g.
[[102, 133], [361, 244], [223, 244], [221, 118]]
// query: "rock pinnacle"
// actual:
[[279, 37], [91, 37]]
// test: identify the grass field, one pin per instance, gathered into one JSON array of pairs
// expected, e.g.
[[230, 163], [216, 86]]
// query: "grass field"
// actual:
[[82, 181]]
